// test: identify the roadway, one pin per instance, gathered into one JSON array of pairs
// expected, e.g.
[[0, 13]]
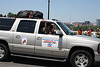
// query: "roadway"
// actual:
[[27, 62]]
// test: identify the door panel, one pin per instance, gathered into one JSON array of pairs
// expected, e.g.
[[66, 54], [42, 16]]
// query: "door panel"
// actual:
[[53, 50], [20, 46], [24, 38], [47, 42]]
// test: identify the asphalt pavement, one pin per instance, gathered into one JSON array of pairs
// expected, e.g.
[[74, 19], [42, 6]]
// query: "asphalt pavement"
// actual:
[[27, 62]]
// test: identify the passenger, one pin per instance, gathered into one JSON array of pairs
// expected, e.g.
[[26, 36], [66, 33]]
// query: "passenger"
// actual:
[[52, 29], [49, 30]]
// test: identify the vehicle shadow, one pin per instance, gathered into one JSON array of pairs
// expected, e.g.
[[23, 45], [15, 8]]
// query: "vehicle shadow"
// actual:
[[42, 63]]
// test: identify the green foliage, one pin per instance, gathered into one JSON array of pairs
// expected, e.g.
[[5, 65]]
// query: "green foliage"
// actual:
[[1, 15], [86, 27], [10, 14], [4, 15], [83, 27]]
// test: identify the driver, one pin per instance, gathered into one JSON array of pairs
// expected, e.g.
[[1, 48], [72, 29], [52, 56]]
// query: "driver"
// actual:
[[50, 29]]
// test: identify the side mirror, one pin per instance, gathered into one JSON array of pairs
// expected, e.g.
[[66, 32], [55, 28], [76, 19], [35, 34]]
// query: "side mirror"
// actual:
[[58, 32]]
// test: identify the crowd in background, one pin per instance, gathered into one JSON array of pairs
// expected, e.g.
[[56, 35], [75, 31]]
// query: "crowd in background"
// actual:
[[95, 33]]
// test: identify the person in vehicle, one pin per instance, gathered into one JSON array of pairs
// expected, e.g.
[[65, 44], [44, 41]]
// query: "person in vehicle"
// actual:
[[50, 29]]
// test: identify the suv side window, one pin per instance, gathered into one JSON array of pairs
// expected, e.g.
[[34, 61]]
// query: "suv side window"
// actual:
[[26, 26], [6, 24], [52, 28]]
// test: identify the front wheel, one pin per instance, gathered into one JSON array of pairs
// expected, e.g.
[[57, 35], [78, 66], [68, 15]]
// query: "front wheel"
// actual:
[[81, 58]]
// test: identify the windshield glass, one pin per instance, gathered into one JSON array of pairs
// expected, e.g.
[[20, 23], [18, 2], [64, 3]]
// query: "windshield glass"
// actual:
[[65, 28]]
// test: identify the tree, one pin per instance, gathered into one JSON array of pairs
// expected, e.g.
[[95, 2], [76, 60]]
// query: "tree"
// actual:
[[4, 15], [10, 14], [1, 15]]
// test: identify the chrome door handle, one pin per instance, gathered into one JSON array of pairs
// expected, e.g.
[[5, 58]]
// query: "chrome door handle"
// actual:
[[17, 36], [39, 38]]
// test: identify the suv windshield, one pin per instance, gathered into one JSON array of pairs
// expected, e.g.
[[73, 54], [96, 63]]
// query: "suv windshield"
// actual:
[[65, 28]]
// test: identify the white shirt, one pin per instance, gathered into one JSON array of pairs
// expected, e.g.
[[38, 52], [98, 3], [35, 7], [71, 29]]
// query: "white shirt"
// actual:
[[93, 34], [85, 32]]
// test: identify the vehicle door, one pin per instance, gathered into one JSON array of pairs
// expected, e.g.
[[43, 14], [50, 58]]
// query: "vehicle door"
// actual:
[[48, 43], [24, 37]]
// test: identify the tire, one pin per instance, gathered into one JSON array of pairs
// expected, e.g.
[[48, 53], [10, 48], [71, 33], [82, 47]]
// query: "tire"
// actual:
[[81, 58], [4, 52]]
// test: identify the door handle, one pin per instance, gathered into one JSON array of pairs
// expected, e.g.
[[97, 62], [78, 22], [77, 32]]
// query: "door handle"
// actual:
[[39, 38], [17, 36]]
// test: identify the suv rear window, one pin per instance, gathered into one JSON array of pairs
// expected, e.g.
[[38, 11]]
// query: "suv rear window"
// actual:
[[26, 26], [6, 24]]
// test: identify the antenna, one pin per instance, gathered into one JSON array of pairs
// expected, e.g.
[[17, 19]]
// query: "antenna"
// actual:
[[70, 19]]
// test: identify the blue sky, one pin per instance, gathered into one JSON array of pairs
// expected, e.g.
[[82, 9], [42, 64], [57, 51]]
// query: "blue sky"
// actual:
[[63, 10]]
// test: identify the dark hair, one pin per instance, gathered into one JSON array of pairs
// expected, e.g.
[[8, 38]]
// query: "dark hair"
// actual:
[[79, 28]]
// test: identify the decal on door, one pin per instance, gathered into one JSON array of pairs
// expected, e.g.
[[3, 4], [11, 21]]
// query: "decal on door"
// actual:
[[50, 43], [24, 41]]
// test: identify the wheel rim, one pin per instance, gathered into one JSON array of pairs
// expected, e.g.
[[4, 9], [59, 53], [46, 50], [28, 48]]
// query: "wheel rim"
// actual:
[[2, 52], [81, 60]]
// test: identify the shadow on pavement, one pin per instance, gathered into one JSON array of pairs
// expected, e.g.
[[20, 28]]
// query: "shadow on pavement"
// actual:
[[42, 63]]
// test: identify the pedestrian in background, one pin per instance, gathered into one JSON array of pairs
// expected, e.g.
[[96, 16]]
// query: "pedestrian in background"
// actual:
[[97, 29], [98, 33], [85, 32], [89, 32], [80, 31], [94, 33]]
